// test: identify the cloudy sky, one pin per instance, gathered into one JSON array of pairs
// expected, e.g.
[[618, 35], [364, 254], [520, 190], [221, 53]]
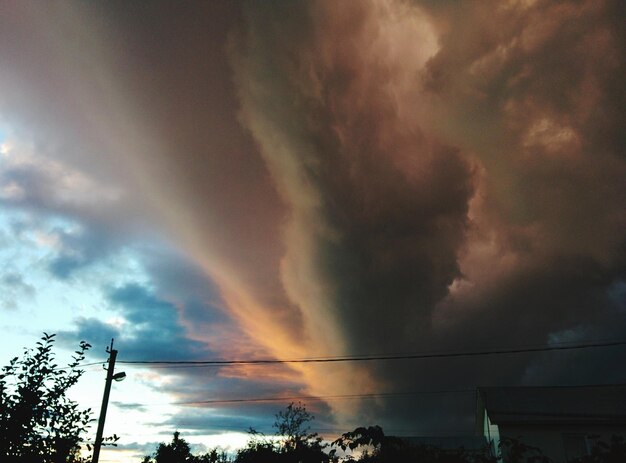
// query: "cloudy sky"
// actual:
[[280, 180]]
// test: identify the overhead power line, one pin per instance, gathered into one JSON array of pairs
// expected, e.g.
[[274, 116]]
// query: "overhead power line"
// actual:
[[302, 398], [375, 395], [83, 365], [365, 358]]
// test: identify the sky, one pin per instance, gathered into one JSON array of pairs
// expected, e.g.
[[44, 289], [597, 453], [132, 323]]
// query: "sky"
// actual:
[[283, 180]]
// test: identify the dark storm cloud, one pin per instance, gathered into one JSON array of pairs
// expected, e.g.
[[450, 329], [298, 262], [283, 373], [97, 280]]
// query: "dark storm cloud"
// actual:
[[541, 79], [142, 449], [129, 406], [360, 177], [154, 331], [178, 320], [78, 251], [98, 146], [468, 193], [526, 94], [196, 296], [207, 420], [93, 331], [242, 417], [385, 203]]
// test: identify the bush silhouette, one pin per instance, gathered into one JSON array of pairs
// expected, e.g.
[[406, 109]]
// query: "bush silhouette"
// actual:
[[38, 422]]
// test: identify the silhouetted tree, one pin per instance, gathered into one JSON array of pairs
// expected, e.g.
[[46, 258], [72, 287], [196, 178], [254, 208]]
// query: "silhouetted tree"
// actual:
[[516, 451], [38, 422], [375, 447], [293, 425], [213, 456], [179, 451], [373, 444], [613, 451], [295, 443], [259, 448]]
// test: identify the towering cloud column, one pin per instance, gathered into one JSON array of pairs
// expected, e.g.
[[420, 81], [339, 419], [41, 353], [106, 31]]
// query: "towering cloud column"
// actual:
[[333, 95]]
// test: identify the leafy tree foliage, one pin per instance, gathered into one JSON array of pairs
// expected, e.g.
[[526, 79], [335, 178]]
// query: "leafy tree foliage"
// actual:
[[613, 451], [372, 443], [214, 456], [294, 443], [293, 425], [179, 451], [375, 447], [516, 451], [259, 448], [38, 422]]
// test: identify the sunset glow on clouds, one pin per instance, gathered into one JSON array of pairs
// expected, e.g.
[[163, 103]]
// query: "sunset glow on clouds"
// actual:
[[309, 179]]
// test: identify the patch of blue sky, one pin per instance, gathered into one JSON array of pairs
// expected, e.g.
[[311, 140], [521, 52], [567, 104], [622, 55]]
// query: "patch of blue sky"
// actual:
[[33, 300]]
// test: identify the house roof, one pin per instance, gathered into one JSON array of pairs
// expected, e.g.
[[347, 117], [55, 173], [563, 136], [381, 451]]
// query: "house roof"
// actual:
[[571, 404]]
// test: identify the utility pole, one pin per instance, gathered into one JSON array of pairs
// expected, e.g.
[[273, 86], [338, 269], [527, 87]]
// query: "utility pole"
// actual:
[[105, 400]]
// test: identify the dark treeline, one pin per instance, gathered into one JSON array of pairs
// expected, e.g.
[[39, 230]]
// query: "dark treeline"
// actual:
[[294, 443], [39, 423]]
